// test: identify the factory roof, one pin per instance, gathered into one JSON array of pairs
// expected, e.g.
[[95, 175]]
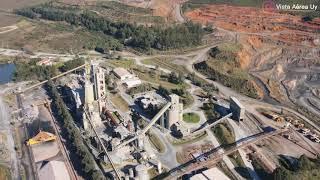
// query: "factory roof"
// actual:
[[132, 82], [121, 72]]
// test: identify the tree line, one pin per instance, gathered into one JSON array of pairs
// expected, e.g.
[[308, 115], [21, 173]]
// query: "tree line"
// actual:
[[73, 136], [31, 71], [139, 37]]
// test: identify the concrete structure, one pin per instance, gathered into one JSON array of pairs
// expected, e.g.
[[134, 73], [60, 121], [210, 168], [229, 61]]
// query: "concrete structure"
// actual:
[[99, 82], [94, 95], [122, 74], [148, 100], [159, 167], [130, 83], [54, 170], [88, 92], [237, 109], [175, 112], [142, 172], [121, 132]]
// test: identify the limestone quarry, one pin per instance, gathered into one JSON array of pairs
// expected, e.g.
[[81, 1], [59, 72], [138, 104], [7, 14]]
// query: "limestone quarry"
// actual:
[[280, 51]]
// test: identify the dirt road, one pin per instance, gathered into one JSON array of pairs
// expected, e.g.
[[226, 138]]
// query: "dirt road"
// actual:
[[5, 128]]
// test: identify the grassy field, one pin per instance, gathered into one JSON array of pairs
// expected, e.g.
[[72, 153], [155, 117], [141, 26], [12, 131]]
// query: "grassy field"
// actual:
[[126, 63], [119, 102], [53, 37], [191, 118], [166, 63], [224, 66], [8, 5], [224, 133], [121, 12], [189, 140], [151, 76]]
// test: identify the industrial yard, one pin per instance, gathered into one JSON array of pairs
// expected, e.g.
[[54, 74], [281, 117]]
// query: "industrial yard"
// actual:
[[105, 104]]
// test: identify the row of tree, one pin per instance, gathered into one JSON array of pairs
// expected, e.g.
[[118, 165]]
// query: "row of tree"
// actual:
[[140, 37], [73, 136]]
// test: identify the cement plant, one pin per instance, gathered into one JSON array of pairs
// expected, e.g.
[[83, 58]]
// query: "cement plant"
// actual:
[[159, 89]]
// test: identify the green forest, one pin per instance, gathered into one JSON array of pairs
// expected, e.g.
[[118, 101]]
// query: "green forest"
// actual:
[[136, 36]]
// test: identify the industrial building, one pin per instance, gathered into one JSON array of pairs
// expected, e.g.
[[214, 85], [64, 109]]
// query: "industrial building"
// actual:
[[122, 74], [99, 82], [148, 100], [130, 83], [95, 92], [237, 109], [174, 114]]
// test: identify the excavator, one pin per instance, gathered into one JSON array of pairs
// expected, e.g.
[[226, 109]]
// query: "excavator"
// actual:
[[41, 137]]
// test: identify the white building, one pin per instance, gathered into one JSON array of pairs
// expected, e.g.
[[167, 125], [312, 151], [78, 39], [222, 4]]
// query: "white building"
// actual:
[[132, 83], [122, 74]]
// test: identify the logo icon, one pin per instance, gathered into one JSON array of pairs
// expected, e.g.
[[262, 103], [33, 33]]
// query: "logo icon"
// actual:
[[269, 6]]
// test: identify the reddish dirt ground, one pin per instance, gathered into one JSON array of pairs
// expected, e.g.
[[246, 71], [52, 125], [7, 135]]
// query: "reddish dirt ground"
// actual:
[[254, 20]]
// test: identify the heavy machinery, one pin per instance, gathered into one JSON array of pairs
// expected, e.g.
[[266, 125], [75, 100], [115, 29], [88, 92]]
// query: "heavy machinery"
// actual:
[[41, 137]]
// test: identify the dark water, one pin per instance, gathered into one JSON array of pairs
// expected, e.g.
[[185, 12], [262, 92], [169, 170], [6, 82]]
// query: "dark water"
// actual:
[[6, 72]]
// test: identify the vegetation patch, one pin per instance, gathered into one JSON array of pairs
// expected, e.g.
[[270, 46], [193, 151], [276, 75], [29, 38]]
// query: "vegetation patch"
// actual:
[[304, 168], [191, 118], [223, 66], [224, 133], [139, 37], [156, 142], [210, 113], [190, 139], [140, 89], [31, 71], [121, 12], [166, 63]]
